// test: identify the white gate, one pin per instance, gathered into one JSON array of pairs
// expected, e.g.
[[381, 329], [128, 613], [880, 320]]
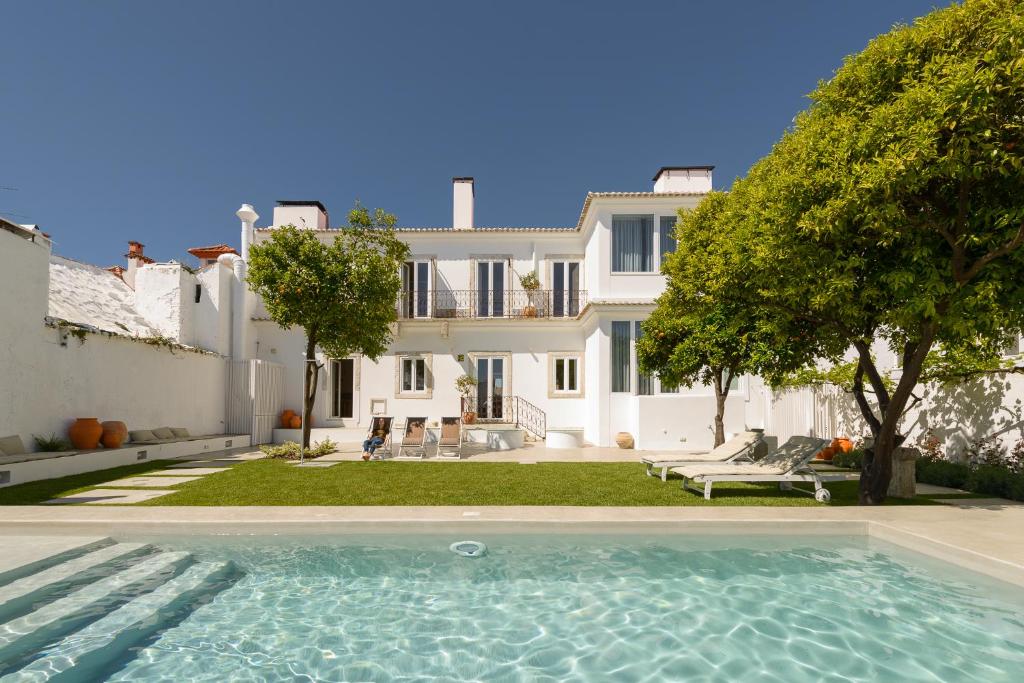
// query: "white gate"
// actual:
[[255, 398]]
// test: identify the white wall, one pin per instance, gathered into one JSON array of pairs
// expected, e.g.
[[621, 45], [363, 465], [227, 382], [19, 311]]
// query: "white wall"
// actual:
[[164, 295], [48, 379], [213, 312]]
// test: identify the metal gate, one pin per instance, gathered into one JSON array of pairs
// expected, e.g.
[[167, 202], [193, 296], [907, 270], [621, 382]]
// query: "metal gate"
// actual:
[[255, 398]]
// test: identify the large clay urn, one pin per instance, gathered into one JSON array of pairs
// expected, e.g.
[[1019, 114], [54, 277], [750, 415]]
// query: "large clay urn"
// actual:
[[295, 422], [624, 440], [286, 418], [114, 433], [85, 433]]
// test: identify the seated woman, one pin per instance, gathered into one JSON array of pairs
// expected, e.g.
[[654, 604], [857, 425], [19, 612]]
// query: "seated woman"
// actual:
[[380, 428]]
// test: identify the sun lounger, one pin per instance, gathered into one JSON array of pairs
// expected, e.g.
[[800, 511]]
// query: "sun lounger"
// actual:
[[414, 438], [789, 464], [449, 444], [738, 447]]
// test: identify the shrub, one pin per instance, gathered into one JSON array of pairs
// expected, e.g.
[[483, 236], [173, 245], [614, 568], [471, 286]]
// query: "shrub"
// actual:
[[289, 450], [942, 472], [51, 443], [853, 460], [1015, 489], [993, 480]]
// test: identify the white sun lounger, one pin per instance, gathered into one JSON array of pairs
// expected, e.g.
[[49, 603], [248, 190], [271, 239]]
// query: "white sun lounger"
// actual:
[[738, 447], [788, 464]]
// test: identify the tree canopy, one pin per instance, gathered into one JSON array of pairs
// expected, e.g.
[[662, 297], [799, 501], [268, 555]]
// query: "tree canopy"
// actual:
[[893, 209], [342, 294]]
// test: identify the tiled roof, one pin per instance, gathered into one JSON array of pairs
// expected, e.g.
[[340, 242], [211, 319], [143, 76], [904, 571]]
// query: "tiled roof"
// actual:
[[212, 251], [94, 297]]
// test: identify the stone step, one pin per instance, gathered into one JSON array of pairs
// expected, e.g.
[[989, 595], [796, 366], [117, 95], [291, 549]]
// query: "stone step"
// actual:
[[15, 595], [54, 619], [86, 650]]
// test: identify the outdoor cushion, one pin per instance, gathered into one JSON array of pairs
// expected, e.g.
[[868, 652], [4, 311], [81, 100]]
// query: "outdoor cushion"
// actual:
[[180, 432], [142, 435], [12, 445], [163, 433]]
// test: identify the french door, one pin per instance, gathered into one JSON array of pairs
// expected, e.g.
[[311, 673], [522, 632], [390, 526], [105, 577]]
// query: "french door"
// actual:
[[490, 289], [490, 387], [416, 289], [343, 388], [565, 286]]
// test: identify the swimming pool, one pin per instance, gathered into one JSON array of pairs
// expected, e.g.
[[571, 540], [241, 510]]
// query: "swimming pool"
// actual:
[[540, 607]]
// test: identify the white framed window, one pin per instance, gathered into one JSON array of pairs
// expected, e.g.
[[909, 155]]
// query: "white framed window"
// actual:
[[413, 375], [417, 288], [666, 237], [633, 243], [565, 374]]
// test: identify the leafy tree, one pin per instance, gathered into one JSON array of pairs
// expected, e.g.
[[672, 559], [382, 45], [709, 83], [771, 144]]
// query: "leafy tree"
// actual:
[[893, 210], [696, 334], [341, 294]]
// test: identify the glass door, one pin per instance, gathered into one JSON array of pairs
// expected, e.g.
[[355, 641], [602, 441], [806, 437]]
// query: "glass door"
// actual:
[[490, 387], [416, 289], [565, 286], [343, 388], [490, 289]]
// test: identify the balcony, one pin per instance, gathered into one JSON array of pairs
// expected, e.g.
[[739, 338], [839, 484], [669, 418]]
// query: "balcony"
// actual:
[[464, 304]]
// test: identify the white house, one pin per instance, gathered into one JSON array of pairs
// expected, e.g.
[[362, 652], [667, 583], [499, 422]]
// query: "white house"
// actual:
[[561, 357]]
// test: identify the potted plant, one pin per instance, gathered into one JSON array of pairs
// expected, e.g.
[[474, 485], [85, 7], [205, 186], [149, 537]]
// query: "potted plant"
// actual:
[[465, 386], [531, 283]]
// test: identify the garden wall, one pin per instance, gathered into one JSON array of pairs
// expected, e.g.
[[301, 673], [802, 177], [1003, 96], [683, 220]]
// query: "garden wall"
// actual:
[[48, 377]]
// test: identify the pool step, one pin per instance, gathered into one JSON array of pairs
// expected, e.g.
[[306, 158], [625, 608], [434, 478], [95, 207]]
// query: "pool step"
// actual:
[[30, 632], [18, 594], [84, 652]]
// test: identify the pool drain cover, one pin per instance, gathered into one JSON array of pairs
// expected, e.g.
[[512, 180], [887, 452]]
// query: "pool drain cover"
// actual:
[[468, 548]]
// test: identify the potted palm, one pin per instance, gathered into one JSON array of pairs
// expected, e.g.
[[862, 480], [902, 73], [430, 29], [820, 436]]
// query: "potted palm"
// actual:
[[465, 386], [531, 283]]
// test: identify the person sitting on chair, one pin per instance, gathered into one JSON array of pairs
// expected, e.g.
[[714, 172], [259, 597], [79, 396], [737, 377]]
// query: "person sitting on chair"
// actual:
[[374, 438]]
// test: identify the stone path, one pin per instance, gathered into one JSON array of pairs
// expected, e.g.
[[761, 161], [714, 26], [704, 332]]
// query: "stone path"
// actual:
[[129, 490]]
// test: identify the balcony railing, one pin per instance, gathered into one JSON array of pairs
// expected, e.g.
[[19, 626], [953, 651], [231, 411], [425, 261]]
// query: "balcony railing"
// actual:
[[482, 304]]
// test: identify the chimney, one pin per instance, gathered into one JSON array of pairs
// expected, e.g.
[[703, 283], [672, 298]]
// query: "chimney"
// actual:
[[248, 216], [136, 259], [462, 203], [302, 213], [683, 179]]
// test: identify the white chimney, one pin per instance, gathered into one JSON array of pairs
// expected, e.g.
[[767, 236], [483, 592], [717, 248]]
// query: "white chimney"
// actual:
[[683, 179], [136, 259], [248, 216], [462, 203], [302, 213]]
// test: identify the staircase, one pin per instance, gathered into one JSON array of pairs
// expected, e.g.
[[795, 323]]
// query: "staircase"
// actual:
[[83, 609]]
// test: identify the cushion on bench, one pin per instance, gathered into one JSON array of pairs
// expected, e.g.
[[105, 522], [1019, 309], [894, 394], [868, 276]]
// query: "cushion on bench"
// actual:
[[12, 445], [180, 432], [141, 435], [163, 433]]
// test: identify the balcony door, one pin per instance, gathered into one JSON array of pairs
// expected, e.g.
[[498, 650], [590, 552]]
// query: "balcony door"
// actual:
[[416, 289], [490, 289], [344, 393], [565, 289], [490, 387]]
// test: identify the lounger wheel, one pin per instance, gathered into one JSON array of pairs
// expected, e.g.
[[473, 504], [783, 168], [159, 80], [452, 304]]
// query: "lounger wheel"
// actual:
[[822, 495]]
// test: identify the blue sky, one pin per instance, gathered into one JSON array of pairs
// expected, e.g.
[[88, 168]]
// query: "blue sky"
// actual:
[[154, 121]]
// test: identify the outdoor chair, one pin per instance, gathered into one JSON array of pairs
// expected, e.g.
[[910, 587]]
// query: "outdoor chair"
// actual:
[[739, 447], [414, 439], [788, 464], [449, 444]]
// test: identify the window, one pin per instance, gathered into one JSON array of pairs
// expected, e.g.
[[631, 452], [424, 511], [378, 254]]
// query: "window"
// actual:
[[667, 243], [416, 289], [565, 285], [490, 286], [413, 376], [633, 244], [620, 356], [644, 386], [566, 375]]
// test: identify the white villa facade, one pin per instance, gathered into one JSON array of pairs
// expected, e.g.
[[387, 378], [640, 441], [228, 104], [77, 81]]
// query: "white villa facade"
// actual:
[[564, 352]]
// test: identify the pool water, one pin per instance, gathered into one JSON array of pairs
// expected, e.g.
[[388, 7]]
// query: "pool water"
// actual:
[[577, 608]]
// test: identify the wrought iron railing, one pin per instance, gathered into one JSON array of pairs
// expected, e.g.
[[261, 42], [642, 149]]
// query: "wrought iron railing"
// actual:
[[514, 410], [446, 304]]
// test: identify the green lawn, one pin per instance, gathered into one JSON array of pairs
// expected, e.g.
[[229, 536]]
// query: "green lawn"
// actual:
[[275, 482]]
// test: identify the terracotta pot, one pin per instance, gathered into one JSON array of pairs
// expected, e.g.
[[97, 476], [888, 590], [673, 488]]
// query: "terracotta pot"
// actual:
[[114, 434], [295, 422], [286, 418], [529, 311], [468, 418], [624, 440], [827, 454], [85, 433], [842, 444]]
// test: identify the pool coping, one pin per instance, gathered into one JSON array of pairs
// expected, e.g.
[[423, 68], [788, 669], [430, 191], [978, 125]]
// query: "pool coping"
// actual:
[[985, 540]]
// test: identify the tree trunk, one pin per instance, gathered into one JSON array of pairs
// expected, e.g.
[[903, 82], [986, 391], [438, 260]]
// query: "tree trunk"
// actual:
[[723, 378], [310, 377], [877, 469]]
